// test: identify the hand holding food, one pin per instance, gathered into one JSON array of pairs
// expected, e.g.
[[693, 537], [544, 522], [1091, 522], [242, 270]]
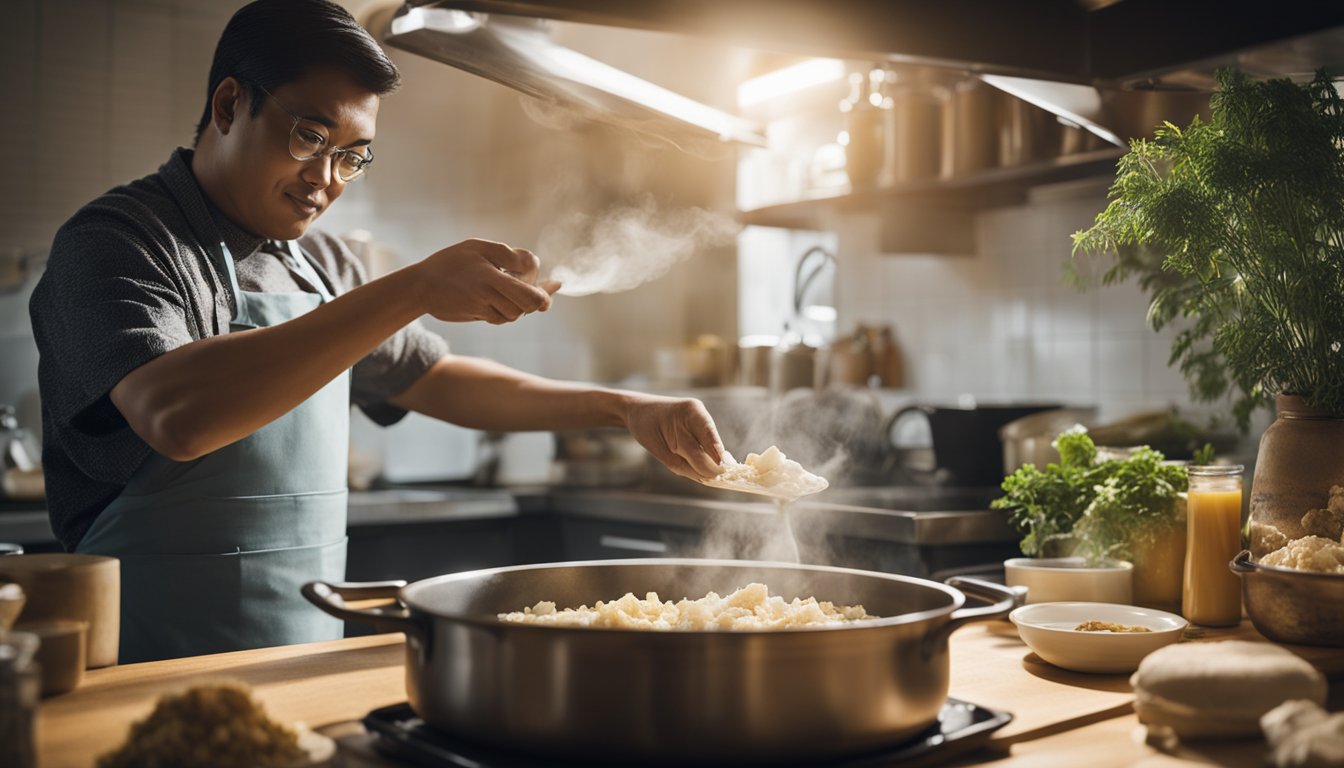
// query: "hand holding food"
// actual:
[[678, 432]]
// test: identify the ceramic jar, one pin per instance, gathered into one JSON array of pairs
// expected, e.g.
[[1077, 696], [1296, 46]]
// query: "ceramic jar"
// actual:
[[1301, 456]]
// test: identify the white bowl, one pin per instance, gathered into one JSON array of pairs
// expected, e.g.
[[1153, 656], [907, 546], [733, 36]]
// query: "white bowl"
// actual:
[[1058, 579], [1048, 629]]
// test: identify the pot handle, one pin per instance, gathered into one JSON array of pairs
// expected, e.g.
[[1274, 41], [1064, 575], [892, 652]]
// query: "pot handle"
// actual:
[[330, 596], [1241, 564], [889, 427], [1003, 601]]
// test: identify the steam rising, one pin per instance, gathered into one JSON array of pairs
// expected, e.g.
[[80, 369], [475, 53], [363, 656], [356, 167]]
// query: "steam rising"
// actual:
[[629, 246], [838, 435]]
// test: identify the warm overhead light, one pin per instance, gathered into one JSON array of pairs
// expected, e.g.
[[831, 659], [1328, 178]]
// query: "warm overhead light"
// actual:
[[782, 82], [574, 66], [439, 20]]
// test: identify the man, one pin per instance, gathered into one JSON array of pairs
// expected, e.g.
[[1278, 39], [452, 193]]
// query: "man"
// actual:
[[201, 346]]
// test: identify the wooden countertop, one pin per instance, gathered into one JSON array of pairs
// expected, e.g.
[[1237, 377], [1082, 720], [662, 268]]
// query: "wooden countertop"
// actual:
[[1060, 718]]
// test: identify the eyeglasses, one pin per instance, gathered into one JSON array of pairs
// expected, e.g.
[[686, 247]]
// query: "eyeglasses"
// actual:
[[308, 141]]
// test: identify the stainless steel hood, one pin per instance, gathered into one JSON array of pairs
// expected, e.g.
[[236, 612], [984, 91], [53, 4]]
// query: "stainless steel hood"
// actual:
[[1117, 67], [518, 52]]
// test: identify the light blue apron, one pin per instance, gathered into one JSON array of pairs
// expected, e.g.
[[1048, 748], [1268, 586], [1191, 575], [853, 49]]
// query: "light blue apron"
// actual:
[[214, 551]]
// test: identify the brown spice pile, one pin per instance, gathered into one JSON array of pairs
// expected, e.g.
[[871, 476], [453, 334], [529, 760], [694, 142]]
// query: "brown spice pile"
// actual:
[[208, 725], [1106, 626]]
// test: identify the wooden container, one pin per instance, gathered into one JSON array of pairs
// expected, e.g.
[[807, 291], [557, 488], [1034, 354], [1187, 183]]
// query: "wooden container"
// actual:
[[67, 586], [62, 655]]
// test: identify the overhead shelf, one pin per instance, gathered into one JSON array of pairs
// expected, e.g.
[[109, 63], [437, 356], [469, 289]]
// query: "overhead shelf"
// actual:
[[965, 194]]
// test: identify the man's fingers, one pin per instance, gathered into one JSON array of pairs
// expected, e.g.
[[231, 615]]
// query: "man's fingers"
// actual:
[[519, 262], [708, 437], [551, 286], [704, 464], [525, 298], [532, 264], [679, 466]]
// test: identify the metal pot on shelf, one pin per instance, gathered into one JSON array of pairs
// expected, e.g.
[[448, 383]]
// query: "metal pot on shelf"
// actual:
[[966, 450], [1030, 439], [676, 697]]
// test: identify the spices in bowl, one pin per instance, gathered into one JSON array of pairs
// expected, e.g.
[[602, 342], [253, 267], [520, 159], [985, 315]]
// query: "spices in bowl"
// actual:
[[1055, 632]]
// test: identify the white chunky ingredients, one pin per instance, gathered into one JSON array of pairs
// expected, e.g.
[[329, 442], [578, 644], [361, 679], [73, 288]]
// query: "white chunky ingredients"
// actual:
[[770, 472], [750, 608], [1321, 550]]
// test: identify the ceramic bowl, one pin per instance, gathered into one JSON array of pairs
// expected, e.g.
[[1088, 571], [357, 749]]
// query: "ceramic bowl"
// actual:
[[1049, 629], [1058, 579]]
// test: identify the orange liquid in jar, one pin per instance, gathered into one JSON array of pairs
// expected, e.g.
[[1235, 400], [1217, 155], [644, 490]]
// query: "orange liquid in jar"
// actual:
[[1212, 593]]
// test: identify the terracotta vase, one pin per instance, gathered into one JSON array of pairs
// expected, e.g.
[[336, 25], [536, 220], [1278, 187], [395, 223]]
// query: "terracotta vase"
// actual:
[[1301, 456]]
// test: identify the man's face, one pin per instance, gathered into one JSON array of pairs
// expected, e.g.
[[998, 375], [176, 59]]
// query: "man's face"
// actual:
[[271, 194]]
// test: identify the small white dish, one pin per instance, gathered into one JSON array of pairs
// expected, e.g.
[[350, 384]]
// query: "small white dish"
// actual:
[[1049, 630], [1059, 579]]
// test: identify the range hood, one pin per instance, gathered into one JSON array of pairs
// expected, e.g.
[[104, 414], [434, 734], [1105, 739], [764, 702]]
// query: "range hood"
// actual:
[[1117, 67], [518, 52]]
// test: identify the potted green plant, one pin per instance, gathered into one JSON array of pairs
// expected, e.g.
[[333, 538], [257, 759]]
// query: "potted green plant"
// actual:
[[1235, 227], [1104, 510]]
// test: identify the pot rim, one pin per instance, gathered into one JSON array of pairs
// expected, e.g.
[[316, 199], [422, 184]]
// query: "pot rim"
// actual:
[[1064, 565], [958, 599], [1244, 566]]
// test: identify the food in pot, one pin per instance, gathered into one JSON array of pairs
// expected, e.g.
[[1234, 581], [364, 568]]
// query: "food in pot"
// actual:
[[1321, 550], [750, 608], [1312, 553], [1106, 626], [772, 471], [1208, 690], [208, 725]]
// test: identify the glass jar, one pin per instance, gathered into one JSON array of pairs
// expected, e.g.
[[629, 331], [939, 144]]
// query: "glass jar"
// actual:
[[865, 113], [1212, 592]]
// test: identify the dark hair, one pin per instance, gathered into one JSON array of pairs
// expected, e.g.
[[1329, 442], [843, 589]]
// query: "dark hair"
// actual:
[[272, 42]]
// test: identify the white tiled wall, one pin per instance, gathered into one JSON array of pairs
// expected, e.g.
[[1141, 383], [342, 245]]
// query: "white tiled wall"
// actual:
[[1003, 324]]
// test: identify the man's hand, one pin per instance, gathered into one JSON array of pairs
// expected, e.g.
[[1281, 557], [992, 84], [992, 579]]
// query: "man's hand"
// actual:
[[678, 432], [482, 280]]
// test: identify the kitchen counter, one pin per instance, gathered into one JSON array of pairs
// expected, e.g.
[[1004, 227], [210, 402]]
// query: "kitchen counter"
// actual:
[[1060, 718], [921, 516], [897, 514]]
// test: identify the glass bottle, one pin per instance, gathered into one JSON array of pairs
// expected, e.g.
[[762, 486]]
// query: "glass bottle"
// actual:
[[1212, 593]]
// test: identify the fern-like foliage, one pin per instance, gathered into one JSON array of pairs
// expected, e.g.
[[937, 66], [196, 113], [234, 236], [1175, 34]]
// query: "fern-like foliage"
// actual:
[[1237, 225]]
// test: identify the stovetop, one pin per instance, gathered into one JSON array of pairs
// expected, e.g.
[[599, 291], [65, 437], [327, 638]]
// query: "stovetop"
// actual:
[[962, 727]]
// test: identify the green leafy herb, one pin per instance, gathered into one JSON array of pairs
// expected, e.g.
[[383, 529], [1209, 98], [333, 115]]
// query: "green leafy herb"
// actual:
[[1136, 501], [1096, 509], [1203, 455], [1236, 227], [1045, 504]]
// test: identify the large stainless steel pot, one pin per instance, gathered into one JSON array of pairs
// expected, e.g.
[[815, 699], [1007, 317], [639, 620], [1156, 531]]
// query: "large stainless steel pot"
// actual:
[[1291, 606], [673, 697]]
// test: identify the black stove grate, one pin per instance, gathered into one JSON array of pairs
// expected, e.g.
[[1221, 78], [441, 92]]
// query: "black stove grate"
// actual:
[[962, 727]]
